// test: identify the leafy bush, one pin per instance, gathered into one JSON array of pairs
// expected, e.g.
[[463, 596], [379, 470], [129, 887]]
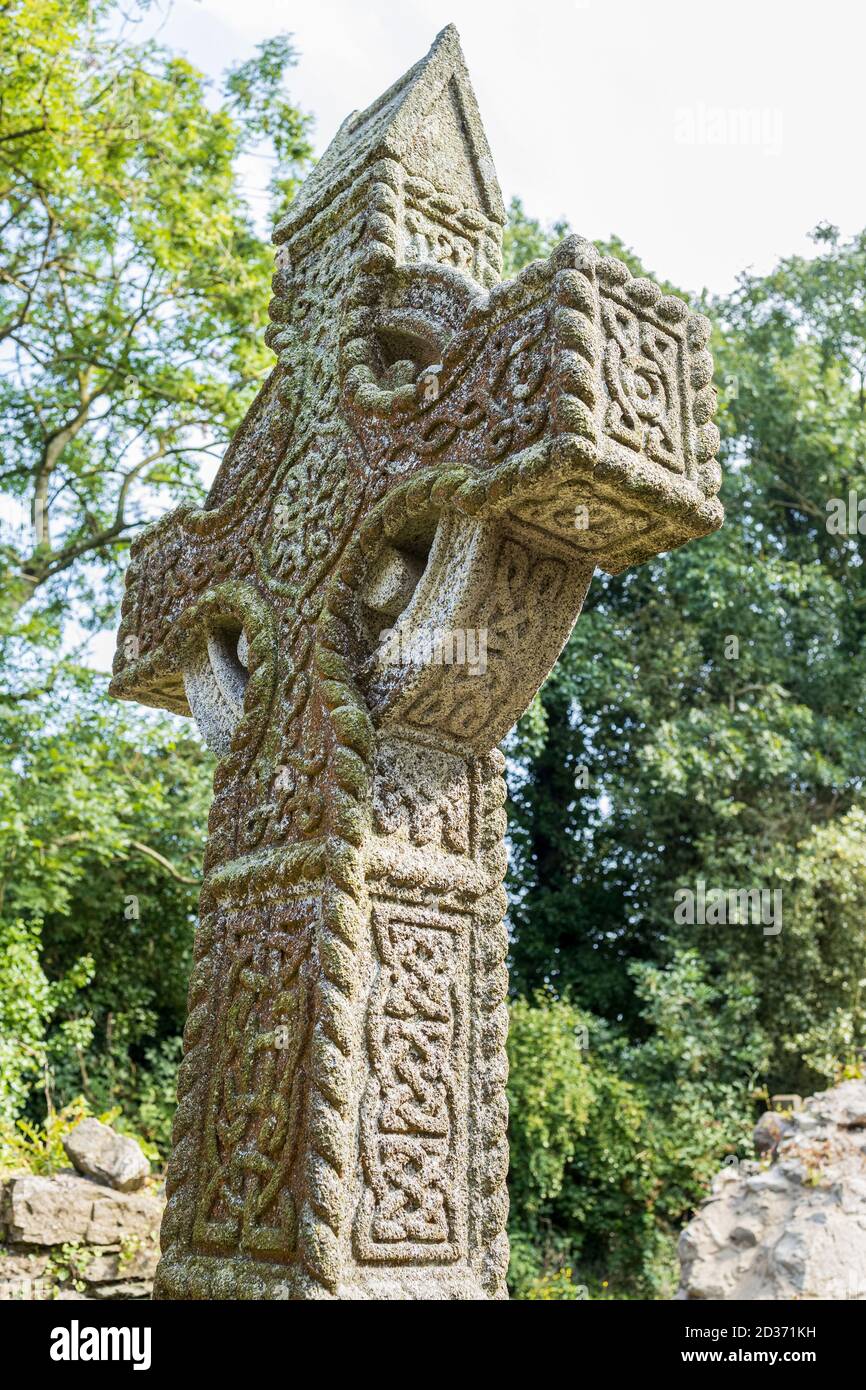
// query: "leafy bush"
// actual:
[[613, 1143], [39, 1148]]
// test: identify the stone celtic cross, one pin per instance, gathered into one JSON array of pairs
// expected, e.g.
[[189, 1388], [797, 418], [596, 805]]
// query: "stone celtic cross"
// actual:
[[390, 559]]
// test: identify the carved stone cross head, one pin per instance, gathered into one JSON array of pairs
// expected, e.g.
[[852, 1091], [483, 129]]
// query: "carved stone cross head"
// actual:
[[391, 557]]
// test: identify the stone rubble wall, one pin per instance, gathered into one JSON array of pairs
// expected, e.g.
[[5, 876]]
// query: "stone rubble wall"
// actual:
[[65, 1237], [792, 1226]]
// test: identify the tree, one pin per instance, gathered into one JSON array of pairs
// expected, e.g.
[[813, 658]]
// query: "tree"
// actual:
[[99, 876], [133, 291], [717, 740], [133, 294]]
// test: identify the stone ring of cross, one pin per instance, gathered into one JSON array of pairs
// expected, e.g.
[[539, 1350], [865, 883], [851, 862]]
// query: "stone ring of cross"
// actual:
[[215, 684], [395, 549]]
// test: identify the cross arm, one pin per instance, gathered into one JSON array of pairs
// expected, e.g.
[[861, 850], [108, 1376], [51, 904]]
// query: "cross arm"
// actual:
[[566, 424], [578, 397]]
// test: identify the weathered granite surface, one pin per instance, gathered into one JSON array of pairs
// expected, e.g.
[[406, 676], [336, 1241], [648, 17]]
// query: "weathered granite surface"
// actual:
[[390, 559], [793, 1227]]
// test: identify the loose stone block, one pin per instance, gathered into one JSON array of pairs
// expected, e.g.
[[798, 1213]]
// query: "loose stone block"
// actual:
[[99, 1152]]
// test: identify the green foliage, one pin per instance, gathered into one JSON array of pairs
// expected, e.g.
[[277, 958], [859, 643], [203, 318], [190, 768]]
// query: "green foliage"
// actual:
[[133, 302], [30, 1003], [39, 1148], [556, 1287], [614, 1142], [551, 1096], [525, 239], [67, 1267], [255, 91], [134, 287], [819, 987], [98, 883], [741, 770], [133, 296]]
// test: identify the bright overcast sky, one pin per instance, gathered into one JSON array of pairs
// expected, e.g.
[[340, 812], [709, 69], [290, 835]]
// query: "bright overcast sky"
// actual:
[[709, 137]]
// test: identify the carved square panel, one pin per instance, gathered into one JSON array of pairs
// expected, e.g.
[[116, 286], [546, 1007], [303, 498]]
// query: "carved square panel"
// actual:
[[413, 1141], [643, 385]]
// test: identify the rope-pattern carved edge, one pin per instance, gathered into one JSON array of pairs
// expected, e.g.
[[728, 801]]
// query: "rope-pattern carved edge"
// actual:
[[241, 601], [488, 1169], [345, 912]]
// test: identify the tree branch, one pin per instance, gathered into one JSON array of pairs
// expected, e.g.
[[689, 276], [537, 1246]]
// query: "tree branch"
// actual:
[[160, 859]]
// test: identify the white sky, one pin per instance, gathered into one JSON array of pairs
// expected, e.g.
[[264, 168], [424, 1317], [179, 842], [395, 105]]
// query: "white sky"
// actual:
[[709, 137]]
